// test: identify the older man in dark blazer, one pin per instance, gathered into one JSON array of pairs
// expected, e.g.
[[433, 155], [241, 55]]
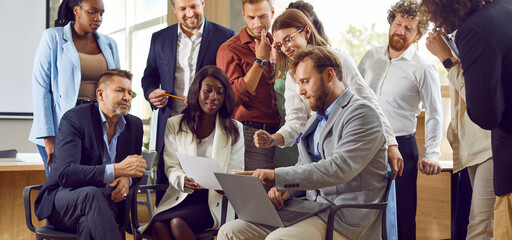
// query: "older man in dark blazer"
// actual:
[[176, 54], [97, 153]]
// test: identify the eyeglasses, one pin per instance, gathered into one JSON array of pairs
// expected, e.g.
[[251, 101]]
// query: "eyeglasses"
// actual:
[[287, 40]]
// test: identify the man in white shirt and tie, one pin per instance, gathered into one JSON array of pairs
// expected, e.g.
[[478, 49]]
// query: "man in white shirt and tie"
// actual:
[[402, 79]]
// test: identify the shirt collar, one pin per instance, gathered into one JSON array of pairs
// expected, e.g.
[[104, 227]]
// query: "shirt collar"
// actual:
[[408, 54], [199, 33], [120, 124], [331, 108], [247, 39]]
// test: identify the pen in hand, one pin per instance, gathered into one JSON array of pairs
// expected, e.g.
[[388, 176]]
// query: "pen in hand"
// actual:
[[170, 95]]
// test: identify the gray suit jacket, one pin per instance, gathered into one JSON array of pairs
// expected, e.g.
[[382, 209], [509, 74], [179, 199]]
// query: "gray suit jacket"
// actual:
[[352, 169]]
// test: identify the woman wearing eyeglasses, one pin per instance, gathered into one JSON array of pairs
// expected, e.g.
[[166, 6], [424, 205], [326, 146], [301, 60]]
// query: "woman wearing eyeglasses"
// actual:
[[288, 156], [293, 32]]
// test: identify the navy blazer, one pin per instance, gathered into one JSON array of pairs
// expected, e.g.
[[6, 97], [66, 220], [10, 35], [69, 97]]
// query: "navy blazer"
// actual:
[[79, 150], [161, 64], [484, 41]]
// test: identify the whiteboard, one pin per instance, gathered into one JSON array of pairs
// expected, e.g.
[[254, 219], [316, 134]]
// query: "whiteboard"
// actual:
[[24, 22]]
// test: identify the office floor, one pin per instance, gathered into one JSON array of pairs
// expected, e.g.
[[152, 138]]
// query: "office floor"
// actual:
[[433, 213], [432, 218]]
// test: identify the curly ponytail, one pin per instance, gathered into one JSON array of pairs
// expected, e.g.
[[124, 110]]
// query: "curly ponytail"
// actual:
[[65, 13]]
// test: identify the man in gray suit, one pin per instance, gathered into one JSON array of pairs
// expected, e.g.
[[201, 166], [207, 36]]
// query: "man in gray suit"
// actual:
[[342, 158]]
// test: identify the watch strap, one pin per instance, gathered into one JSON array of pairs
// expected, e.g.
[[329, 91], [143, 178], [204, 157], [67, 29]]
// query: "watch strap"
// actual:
[[448, 63], [262, 63]]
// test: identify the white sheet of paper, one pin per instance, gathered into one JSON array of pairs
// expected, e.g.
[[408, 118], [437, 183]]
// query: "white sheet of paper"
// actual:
[[152, 132], [201, 169]]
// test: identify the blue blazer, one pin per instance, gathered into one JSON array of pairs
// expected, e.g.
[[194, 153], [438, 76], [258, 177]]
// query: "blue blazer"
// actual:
[[79, 152], [161, 65], [56, 78]]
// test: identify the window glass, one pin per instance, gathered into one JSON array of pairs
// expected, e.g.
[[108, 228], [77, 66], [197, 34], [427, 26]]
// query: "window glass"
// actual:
[[141, 41], [119, 37], [149, 9], [114, 18], [131, 24]]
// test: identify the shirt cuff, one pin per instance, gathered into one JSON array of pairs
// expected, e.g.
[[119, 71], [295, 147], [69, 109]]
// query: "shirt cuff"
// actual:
[[432, 156], [392, 141], [109, 174], [288, 138]]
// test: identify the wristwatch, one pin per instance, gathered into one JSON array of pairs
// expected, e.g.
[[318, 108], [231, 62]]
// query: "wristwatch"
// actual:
[[448, 63], [263, 63]]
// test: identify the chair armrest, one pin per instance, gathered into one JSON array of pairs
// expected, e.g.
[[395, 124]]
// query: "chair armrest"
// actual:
[[28, 208], [152, 187], [125, 225], [334, 209], [133, 202], [224, 211]]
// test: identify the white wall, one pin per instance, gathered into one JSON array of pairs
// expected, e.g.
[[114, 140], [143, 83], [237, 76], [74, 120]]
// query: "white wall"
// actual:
[[23, 23]]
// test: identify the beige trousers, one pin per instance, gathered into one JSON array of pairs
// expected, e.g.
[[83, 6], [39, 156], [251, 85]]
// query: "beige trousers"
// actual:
[[482, 202], [503, 217], [311, 228]]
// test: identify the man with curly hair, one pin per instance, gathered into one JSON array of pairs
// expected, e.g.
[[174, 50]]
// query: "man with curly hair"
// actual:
[[403, 79], [484, 37]]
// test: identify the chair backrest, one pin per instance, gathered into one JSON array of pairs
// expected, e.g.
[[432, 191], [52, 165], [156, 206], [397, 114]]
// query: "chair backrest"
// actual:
[[385, 199], [388, 186], [11, 153], [150, 158], [382, 205]]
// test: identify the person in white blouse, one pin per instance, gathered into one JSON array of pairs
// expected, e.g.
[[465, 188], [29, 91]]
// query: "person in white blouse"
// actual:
[[293, 32], [402, 79], [205, 129]]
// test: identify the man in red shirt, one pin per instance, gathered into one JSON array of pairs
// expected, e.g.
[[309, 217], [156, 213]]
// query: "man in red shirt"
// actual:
[[245, 59]]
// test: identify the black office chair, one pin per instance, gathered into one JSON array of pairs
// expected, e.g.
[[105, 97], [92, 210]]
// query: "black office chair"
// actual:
[[150, 158], [49, 232], [11, 153], [136, 228], [380, 205]]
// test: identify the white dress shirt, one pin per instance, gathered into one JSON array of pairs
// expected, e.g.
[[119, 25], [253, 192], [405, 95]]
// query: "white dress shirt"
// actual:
[[298, 111], [401, 85], [186, 53]]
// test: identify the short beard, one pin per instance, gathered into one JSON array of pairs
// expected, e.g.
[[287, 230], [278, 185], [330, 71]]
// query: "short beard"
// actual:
[[118, 111], [253, 34], [396, 44], [319, 104], [193, 27]]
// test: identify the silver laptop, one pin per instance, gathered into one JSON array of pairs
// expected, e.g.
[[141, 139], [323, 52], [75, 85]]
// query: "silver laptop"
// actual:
[[252, 204]]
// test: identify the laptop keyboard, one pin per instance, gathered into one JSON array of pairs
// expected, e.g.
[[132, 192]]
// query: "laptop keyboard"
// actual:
[[290, 215]]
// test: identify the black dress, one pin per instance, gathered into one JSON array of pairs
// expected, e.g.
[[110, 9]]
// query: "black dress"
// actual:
[[193, 210]]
